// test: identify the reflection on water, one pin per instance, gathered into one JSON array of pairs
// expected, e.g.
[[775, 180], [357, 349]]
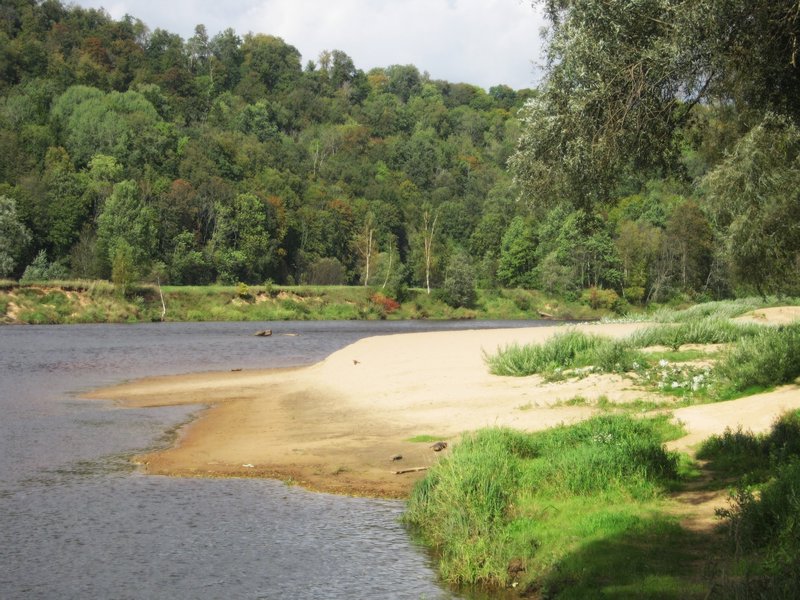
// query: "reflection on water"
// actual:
[[77, 521]]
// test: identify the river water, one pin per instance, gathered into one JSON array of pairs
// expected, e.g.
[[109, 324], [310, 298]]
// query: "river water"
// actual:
[[78, 521]]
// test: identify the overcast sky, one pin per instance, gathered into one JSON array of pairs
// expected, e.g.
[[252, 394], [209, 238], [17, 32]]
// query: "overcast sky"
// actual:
[[482, 42]]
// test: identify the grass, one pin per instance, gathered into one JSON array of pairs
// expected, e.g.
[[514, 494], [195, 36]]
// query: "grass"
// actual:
[[708, 330], [549, 503], [564, 352], [757, 358], [772, 357], [584, 511], [763, 519], [425, 439], [100, 301]]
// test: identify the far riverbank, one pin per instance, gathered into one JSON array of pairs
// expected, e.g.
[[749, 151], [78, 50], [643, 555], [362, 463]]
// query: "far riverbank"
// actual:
[[101, 302]]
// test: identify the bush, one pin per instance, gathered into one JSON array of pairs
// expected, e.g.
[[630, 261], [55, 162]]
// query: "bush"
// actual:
[[325, 271], [459, 284], [772, 357], [560, 351], [599, 298], [42, 270], [385, 304]]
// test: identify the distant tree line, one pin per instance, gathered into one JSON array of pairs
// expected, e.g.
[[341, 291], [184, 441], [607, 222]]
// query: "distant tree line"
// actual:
[[651, 163]]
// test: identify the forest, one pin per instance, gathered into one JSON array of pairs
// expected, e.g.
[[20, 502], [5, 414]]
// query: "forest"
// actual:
[[657, 159]]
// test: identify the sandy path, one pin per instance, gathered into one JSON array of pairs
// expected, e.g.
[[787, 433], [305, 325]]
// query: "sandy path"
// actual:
[[334, 426]]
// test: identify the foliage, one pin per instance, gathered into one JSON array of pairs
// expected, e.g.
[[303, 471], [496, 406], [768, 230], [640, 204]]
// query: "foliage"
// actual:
[[762, 519], [517, 255], [638, 158], [754, 196], [42, 270], [771, 357], [458, 289], [13, 235], [500, 494], [126, 229]]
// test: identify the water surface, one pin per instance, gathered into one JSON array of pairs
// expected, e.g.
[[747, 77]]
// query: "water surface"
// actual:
[[77, 521]]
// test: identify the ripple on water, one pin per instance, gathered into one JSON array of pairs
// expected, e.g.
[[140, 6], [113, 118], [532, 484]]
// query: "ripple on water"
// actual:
[[76, 521]]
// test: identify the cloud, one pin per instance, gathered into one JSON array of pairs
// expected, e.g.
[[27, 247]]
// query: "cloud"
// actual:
[[483, 42]]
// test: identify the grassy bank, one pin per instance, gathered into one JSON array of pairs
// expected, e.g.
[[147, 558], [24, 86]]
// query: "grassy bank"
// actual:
[[560, 512], [100, 302], [588, 511], [753, 358]]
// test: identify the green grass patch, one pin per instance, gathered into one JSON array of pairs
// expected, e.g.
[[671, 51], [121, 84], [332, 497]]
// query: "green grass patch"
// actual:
[[771, 357], [539, 502], [425, 439], [750, 455], [679, 356], [564, 352], [764, 514], [715, 330]]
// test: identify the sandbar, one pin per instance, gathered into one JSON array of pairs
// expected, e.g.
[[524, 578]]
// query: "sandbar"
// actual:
[[336, 426]]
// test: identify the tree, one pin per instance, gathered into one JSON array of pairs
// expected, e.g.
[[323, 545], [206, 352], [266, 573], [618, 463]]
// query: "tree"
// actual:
[[622, 77], [517, 255], [127, 229], [428, 235], [637, 245], [754, 197], [366, 245], [241, 243], [123, 125], [14, 236], [459, 282]]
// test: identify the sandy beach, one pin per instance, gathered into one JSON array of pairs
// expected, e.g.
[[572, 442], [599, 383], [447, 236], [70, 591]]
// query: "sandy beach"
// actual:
[[336, 426]]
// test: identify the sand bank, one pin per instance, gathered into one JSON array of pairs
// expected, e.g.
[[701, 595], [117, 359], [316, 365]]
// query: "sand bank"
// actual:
[[336, 425]]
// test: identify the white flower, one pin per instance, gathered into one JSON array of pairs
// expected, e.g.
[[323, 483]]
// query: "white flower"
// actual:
[[663, 362]]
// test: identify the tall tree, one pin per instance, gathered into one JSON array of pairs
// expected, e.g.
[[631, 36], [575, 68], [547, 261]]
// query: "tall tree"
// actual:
[[754, 195], [623, 76], [13, 235]]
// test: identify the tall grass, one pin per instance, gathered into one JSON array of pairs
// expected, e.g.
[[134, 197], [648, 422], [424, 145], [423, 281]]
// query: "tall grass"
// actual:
[[558, 352], [719, 309], [709, 330], [771, 357], [744, 452], [564, 351], [763, 521], [486, 504]]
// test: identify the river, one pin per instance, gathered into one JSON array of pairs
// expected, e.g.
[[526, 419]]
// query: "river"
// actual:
[[78, 521]]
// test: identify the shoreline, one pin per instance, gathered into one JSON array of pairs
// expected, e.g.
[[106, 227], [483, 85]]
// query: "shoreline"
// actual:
[[335, 426]]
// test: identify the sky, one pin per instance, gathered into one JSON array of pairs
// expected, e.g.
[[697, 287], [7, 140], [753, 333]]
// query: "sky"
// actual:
[[482, 42]]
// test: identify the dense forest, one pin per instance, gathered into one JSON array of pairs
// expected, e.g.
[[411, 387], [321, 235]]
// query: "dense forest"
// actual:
[[658, 159]]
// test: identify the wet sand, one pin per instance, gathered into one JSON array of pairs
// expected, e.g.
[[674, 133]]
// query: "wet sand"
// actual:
[[335, 426]]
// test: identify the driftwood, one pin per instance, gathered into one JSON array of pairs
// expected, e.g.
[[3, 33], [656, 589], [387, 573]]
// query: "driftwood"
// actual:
[[546, 315], [414, 470], [264, 333]]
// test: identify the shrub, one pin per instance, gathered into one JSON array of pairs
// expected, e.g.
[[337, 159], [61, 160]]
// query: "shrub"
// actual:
[[386, 304], [42, 270], [600, 298], [325, 271], [772, 357], [459, 283]]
